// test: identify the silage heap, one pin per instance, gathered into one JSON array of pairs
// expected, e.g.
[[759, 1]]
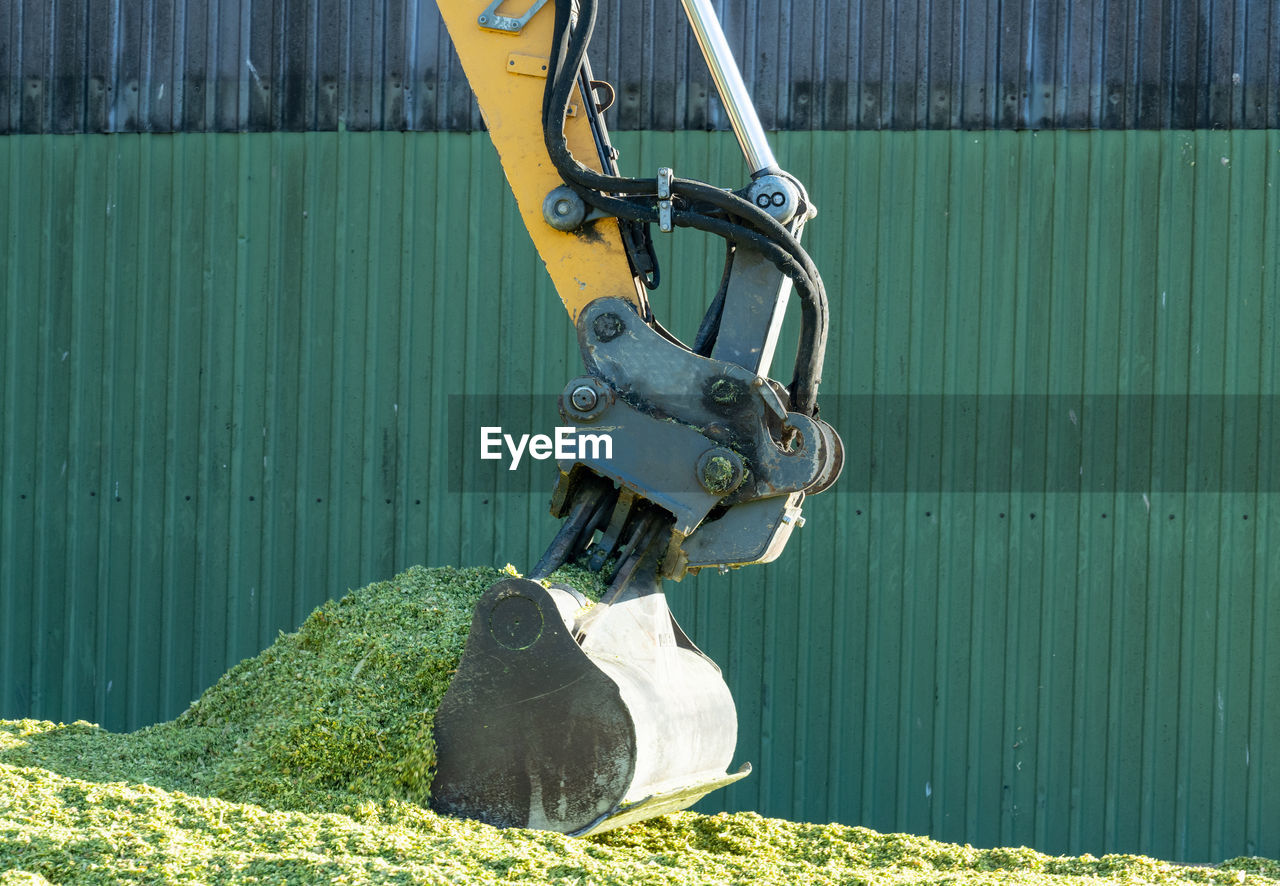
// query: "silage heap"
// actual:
[[337, 713], [312, 762]]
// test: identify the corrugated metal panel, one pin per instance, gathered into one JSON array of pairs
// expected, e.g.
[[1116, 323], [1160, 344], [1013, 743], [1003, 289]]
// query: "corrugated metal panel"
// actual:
[[227, 364], [210, 425], [231, 65]]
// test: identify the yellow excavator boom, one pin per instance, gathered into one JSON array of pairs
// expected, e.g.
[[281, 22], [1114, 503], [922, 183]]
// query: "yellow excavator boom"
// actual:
[[507, 70]]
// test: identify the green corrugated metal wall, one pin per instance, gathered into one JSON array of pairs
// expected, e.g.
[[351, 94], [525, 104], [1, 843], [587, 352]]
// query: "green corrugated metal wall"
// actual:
[[226, 367]]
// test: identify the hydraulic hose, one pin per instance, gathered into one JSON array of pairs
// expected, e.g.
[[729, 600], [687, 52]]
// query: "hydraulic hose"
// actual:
[[739, 221]]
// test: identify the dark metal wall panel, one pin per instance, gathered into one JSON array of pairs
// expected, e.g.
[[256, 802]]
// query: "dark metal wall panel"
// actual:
[[303, 65], [226, 365]]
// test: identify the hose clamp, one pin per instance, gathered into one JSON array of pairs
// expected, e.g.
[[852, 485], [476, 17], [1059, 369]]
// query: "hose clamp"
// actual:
[[664, 199]]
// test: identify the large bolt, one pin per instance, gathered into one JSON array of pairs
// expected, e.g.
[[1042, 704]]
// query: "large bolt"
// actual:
[[724, 395], [608, 326], [717, 474], [584, 398], [776, 196], [723, 390], [720, 471]]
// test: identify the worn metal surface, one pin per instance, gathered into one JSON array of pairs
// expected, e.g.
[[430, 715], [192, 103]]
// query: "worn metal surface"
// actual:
[[231, 65], [225, 369], [580, 722]]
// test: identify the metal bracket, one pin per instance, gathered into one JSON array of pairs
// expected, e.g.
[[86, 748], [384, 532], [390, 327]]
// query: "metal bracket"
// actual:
[[529, 65], [722, 406], [533, 66], [664, 199], [491, 21]]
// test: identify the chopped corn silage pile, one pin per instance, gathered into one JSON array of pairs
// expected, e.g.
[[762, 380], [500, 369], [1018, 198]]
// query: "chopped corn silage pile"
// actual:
[[312, 763]]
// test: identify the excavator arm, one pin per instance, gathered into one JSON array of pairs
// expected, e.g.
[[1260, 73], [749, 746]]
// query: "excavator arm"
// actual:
[[579, 718]]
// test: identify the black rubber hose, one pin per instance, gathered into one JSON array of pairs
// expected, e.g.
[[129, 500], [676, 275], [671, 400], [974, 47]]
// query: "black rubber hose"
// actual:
[[709, 329], [811, 351], [814, 318], [570, 51], [569, 48], [762, 231], [748, 212]]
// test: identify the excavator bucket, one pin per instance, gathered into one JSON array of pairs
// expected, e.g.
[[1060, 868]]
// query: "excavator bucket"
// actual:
[[580, 718]]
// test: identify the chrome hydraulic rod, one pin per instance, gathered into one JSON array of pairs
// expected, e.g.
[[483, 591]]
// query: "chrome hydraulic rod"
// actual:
[[728, 80]]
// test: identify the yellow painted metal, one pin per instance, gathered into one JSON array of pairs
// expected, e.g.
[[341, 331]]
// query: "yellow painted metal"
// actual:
[[504, 72], [534, 66]]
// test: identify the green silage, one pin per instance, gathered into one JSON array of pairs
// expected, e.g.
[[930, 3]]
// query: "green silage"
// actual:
[[312, 762], [335, 714]]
